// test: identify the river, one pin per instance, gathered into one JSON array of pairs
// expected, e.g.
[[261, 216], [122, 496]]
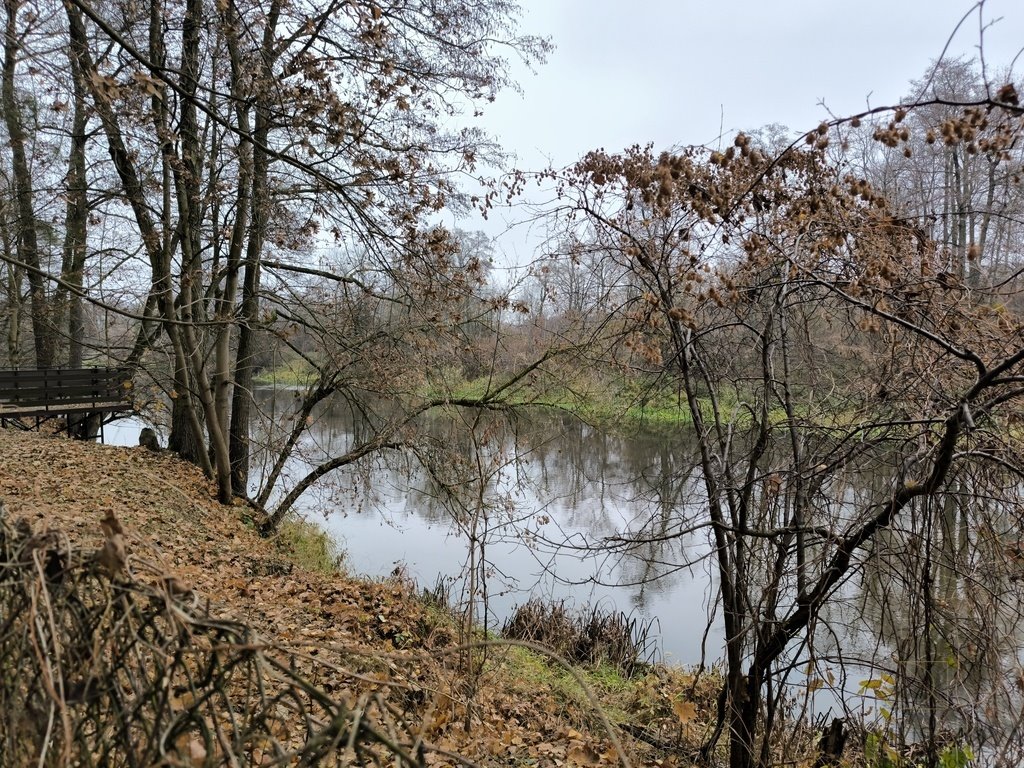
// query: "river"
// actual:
[[556, 487], [556, 492]]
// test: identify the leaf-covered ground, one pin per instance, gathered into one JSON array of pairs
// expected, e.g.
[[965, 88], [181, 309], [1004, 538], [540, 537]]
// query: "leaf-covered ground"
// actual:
[[522, 710]]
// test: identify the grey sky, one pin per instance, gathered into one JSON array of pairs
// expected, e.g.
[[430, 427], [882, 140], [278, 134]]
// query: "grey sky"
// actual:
[[681, 71], [667, 71]]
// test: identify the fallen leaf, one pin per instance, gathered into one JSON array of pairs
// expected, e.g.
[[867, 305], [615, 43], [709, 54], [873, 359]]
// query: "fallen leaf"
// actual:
[[685, 710], [584, 755]]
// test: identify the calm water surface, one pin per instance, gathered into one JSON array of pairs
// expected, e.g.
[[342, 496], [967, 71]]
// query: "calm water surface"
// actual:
[[551, 519], [555, 489]]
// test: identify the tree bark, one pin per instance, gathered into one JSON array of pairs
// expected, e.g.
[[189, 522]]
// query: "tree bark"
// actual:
[[75, 227], [25, 219]]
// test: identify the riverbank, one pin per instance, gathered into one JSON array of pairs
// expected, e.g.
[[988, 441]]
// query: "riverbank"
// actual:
[[626, 406], [508, 706]]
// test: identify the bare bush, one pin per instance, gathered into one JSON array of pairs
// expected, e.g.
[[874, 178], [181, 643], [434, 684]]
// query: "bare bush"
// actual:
[[102, 671]]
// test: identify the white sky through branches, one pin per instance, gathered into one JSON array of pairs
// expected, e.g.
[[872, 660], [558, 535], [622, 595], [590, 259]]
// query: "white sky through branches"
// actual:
[[678, 72]]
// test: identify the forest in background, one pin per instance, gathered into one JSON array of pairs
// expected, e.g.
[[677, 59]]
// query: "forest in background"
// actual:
[[204, 191]]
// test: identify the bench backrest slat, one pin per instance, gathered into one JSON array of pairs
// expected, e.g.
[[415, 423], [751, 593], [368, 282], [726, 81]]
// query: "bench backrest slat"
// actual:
[[40, 376], [67, 390]]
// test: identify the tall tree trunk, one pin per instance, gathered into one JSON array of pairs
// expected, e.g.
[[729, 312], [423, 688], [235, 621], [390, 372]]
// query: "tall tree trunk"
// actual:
[[153, 240], [187, 178], [25, 220], [68, 299], [237, 438], [75, 231], [185, 438], [242, 395], [13, 280]]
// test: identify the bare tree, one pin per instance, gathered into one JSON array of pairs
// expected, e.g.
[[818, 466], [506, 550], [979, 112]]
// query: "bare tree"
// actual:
[[234, 130], [815, 337]]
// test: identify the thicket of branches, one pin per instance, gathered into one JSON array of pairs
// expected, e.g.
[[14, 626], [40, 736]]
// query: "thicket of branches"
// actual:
[[841, 318], [109, 669], [169, 167]]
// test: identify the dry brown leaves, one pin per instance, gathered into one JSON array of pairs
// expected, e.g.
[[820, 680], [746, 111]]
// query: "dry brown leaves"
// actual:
[[362, 642]]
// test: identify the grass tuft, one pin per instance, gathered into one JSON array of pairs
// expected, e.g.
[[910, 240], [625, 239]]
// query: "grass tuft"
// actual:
[[310, 547], [591, 637]]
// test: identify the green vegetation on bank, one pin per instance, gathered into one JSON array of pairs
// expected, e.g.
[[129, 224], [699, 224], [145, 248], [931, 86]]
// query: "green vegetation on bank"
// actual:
[[310, 547], [618, 404], [293, 372], [621, 404], [626, 404], [666, 705]]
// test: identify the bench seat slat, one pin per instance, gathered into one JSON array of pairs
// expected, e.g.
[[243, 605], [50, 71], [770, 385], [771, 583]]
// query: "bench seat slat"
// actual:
[[81, 390], [62, 408], [56, 389], [87, 399]]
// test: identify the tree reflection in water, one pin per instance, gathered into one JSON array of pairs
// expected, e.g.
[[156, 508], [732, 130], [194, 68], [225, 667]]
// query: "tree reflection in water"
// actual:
[[567, 510]]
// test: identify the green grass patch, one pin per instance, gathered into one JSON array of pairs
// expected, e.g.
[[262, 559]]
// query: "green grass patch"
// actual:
[[538, 671], [620, 405], [310, 547], [295, 372], [652, 698]]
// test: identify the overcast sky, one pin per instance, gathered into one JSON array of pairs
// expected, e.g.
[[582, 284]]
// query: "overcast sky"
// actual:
[[683, 71], [674, 71]]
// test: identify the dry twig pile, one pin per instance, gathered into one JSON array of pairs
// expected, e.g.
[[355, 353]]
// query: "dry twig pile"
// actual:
[[99, 667]]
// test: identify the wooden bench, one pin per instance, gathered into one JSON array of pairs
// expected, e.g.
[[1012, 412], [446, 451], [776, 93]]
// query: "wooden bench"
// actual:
[[54, 392]]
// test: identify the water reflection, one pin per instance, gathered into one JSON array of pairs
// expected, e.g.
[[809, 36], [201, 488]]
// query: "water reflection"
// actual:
[[570, 511], [547, 505], [556, 493], [937, 606]]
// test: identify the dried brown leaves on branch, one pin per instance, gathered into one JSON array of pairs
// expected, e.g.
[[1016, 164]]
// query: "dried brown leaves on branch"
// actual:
[[845, 305], [693, 237]]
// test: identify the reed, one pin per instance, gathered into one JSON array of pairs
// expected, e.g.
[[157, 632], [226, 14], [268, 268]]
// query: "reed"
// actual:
[[590, 635]]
